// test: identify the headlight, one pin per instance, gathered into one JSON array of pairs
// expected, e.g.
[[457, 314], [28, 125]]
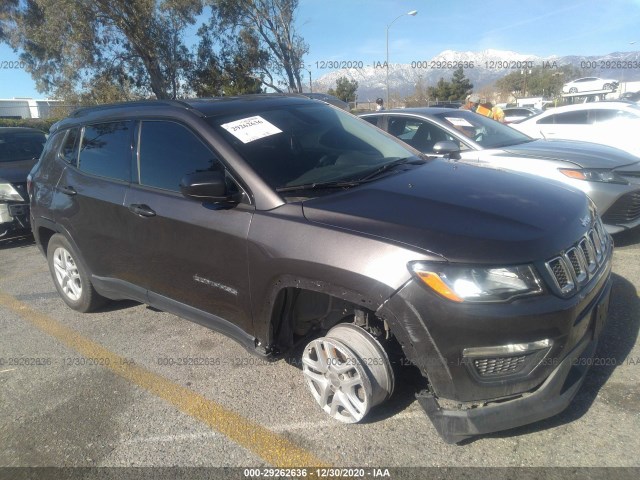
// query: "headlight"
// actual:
[[7, 192], [593, 175], [478, 284]]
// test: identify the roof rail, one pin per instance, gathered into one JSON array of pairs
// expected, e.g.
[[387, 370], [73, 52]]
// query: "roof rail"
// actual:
[[138, 103]]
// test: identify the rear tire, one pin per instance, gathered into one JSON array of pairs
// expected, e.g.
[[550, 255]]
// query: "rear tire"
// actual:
[[70, 276]]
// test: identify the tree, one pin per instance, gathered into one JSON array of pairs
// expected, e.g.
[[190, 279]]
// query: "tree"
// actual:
[[457, 89], [539, 82], [273, 24], [231, 70], [461, 86], [420, 97], [345, 89], [134, 44]]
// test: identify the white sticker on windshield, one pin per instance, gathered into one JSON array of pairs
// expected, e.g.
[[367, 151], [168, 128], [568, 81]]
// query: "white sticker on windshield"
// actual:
[[250, 129], [458, 122]]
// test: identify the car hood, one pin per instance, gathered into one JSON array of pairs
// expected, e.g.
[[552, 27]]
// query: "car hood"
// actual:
[[461, 212], [16, 172], [582, 154]]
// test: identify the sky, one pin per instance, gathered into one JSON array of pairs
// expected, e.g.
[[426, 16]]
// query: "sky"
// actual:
[[355, 30]]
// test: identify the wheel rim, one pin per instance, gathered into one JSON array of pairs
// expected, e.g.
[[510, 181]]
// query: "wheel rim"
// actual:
[[67, 274], [606, 86], [337, 380], [573, 90], [372, 356]]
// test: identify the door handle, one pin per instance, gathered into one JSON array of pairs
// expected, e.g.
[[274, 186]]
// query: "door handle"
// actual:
[[142, 210], [68, 190]]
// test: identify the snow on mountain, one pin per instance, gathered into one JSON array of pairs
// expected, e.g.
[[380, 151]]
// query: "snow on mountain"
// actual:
[[482, 68]]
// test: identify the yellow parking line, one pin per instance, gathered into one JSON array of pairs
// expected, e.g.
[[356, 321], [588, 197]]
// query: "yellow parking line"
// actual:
[[272, 447]]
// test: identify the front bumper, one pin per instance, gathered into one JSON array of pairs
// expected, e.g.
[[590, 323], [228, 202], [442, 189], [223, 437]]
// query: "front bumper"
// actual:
[[14, 217], [472, 391], [550, 398]]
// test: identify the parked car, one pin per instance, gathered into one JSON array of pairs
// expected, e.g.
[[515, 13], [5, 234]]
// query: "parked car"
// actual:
[[516, 114], [19, 151], [330, 99], [611, 177], [610, 123], [589, 84], [631, 97], [281, 221]]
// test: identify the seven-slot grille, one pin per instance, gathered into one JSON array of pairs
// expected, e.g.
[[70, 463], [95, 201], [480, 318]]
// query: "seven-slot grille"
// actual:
[[578, 263], [499, 365]]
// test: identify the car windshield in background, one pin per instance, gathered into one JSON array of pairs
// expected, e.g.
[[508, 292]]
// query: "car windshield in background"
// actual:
[[305, 144], [21, 146], [484, 131]]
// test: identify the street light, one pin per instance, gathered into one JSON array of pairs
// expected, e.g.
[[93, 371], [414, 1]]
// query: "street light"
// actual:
[[412, 13]]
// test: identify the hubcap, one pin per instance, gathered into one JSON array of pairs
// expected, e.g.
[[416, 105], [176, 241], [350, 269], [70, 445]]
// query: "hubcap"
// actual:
[[336, 379], [67, 274]]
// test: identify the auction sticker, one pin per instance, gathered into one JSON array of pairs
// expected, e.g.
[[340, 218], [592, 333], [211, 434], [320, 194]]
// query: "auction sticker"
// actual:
[[251, 129], [458, 122]]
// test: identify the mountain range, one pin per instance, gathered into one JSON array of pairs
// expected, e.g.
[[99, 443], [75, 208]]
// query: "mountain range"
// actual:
[[482, 68]]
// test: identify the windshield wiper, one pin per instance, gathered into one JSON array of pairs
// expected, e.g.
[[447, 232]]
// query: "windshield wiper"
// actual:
[[318, 186], [388, 166]]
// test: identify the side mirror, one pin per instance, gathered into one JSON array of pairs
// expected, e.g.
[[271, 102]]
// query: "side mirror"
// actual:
[[447, 147], [207, 187]]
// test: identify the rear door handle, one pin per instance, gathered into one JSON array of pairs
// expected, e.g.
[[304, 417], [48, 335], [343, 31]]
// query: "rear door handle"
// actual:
[[68, 190], [142, 210]]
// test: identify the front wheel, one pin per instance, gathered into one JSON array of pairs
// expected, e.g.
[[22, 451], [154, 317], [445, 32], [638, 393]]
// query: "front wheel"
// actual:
[[70, 277], [348, 372]]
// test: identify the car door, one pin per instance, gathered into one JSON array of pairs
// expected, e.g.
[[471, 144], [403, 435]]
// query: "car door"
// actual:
[[89, 197], [188, 254]]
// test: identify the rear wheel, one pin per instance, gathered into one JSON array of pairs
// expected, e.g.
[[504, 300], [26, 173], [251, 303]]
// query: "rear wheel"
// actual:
[[606, 86], [573, 90], [348, 372], [70, 277]]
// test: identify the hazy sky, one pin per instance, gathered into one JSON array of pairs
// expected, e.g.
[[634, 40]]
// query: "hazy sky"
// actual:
[[356, 30]]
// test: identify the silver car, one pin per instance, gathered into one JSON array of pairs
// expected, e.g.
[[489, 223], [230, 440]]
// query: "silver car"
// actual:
[[611, 177]]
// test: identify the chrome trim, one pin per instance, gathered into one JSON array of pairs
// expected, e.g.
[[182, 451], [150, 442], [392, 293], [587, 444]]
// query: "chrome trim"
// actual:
[[507, 350], [567, 272]]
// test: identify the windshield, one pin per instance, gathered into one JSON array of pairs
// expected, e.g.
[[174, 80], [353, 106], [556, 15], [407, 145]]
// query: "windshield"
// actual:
[[484, 131], [303, 144], [16, 146]]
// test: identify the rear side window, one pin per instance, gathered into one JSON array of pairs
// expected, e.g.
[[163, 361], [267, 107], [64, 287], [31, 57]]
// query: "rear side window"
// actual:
[[105, 150], [568, 118], [69, 150], [169, 151]]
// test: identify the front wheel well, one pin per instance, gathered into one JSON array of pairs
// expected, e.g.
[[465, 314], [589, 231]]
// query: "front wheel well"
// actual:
[[299, 314]]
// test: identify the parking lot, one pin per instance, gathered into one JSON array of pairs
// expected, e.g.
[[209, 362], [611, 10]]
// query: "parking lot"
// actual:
[[132, 386]]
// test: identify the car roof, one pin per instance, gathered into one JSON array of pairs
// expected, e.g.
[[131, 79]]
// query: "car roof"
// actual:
[[415, 111], [202, 107]]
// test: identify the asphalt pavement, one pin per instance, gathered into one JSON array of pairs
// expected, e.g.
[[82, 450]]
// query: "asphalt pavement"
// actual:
[[132, 386]]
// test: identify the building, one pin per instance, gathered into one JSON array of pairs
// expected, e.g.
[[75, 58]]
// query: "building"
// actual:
[[18, 108]]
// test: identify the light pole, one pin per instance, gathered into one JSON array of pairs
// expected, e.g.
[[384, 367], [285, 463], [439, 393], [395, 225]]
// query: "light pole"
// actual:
[[413, 13]]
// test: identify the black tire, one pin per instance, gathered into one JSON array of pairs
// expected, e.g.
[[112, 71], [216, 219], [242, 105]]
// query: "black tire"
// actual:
[[573, 90], [606, 86], [71, 277]]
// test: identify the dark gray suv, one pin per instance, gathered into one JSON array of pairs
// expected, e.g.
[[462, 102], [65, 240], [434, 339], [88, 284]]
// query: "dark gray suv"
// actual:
[[284, 222]]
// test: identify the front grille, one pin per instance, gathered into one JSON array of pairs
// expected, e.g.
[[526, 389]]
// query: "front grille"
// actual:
[[625, 210], [573, 268], [499, 365]]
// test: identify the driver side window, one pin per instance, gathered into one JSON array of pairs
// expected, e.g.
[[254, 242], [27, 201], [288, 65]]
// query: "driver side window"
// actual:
[[420, 134]]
